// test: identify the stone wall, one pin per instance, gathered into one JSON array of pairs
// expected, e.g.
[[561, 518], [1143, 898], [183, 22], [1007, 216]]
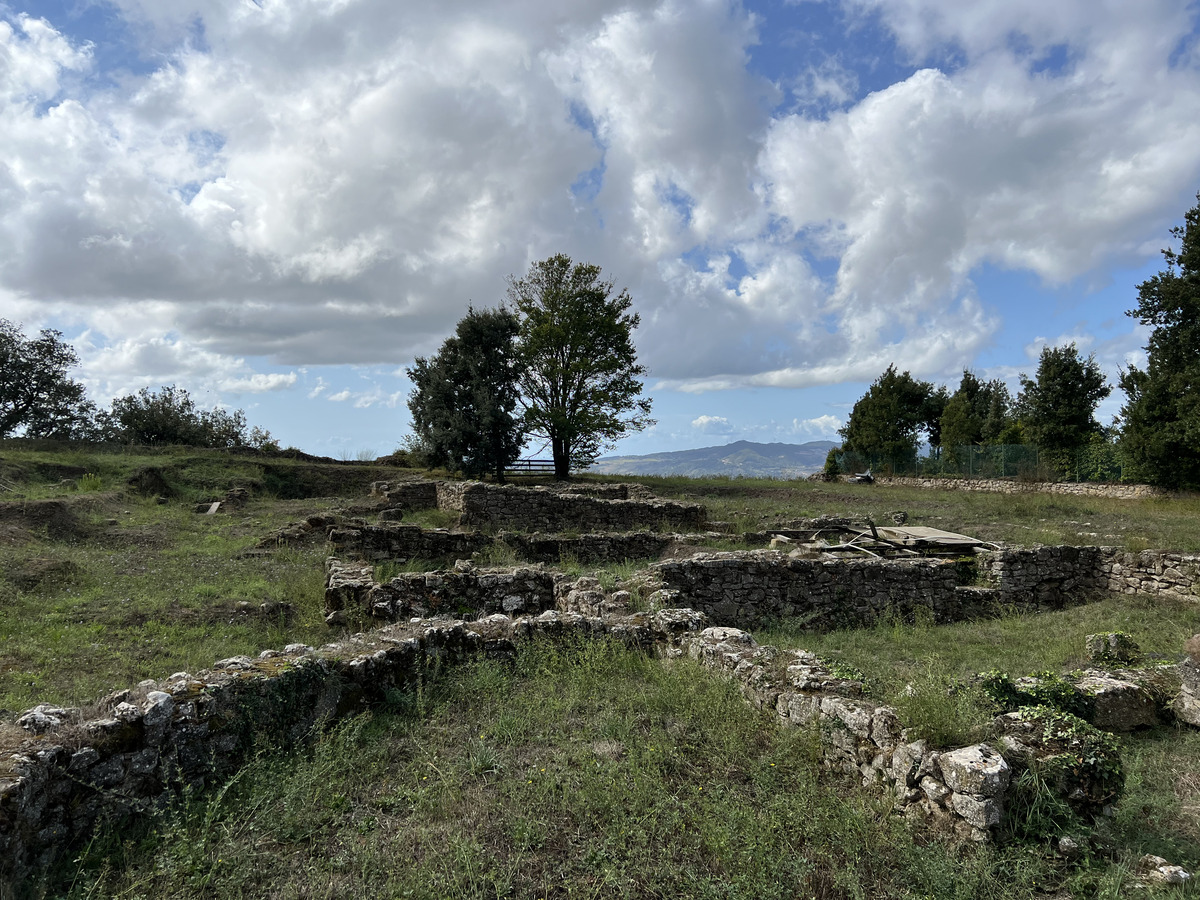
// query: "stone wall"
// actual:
[[746, 588], [194, 731], [1046, 577], [397, 543], [407, 494], [960, 791], [543, 509], [463, 591], [1150, 572], [388, 542], [1005, 486]]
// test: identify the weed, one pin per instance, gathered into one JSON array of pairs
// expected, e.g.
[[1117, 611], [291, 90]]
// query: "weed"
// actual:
[[942, 709], [88, 482]]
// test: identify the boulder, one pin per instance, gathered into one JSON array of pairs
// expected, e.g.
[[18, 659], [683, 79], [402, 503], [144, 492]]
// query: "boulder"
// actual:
[[1119, 705]]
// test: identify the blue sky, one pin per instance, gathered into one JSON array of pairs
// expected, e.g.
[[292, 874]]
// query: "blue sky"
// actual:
[[279, 204]]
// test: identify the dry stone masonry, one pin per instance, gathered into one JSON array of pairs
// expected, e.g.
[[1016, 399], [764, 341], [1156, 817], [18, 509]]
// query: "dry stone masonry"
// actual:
[[958, 791], [463, 591], [1005, 486], [196, 730], [543, 509]]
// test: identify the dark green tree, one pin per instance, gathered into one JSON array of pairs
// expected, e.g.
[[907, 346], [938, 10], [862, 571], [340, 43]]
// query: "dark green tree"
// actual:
[[1057, 407], [463, 398], [580, 381], [170, 416], [889, 419], [1160, 433], [978, 412], [37, 397]]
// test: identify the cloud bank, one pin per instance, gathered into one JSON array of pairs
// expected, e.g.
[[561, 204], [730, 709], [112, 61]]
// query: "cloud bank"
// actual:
[[304, 183]]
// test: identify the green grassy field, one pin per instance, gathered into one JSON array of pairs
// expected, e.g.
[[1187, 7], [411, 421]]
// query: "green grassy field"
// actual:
[[589, 774], [598, 773]]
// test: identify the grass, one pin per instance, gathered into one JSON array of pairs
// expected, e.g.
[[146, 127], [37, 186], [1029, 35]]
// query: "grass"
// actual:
[[162, 590], [893, 654], [1023, 519], [587, 773]]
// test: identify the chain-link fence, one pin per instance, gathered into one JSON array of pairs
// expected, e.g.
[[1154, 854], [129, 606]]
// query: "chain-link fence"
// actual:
[[1092, 462]]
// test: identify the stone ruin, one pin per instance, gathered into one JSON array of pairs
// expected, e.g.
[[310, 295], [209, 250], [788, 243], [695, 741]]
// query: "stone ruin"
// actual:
[[138, 746]]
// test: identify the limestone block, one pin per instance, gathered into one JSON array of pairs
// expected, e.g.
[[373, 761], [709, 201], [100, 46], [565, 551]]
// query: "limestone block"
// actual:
[[978, 770], [46, 716], [1119, 705], [1187, 702], [981, 813], [934, 790], [854, 714]]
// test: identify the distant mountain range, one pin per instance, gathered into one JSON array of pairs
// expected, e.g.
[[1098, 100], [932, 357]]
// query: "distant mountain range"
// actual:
[[739, 458]]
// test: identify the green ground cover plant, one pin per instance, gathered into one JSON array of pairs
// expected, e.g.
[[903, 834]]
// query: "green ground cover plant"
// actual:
[[584, 772]]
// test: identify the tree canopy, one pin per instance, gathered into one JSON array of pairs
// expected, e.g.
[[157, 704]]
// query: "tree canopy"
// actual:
[[1057, 407], [1160, 434], [170, 416], [978, 412], [464, 397], [890, 418], [579, 378], [37, 397]]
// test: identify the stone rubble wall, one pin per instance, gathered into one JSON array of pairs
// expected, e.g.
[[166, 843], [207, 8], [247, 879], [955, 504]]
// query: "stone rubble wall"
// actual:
[[1150, 572], [960, 791], [745, 588], [1005, 486], [194, 731], [464, 592], [1046, 577], [542, 509], [407, 494], [395, 542], [388, 542]]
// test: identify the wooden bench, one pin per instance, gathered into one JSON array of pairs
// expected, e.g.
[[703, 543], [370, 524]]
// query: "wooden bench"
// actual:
[[530, 468]]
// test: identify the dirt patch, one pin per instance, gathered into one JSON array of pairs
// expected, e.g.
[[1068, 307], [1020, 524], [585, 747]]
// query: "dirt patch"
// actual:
[[150, 482], [32, 573], [56, 518], [57, 471]]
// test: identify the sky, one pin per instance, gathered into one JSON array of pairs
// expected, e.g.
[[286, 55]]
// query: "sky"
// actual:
[[278, 204]]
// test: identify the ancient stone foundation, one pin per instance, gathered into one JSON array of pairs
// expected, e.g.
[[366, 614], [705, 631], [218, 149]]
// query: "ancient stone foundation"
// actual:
[[463, 591], [745, 588], [544, 509], [1006, 486], [959, 791], [196, 730], [391, 542]]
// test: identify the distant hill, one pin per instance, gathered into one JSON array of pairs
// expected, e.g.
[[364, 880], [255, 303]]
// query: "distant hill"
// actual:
[[739, 458]]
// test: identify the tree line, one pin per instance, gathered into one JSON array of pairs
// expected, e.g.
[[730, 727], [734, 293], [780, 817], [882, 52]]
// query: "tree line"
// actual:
[[1156, 436], [39, 399], [555, 363]]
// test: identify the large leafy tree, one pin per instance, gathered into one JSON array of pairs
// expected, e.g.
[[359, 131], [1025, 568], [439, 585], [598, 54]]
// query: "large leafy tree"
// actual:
[[890, 418], [580, 381], [170, 416], [1160, 433], [978, 412], [1057, 407], [37, 397], [464, 397]]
